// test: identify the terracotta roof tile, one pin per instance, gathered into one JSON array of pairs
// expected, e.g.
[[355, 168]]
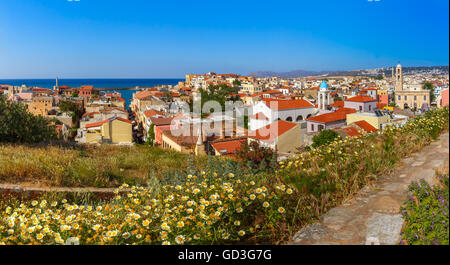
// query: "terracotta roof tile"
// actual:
[[287, 104], [361, 99], [228, 147], [272, 131], [100, 123], [337, 104], [333, 116], [365, 126], [259, 116]]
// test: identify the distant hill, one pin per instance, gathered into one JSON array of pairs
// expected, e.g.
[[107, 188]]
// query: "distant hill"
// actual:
[[295, 73], [388, 71], [377, 71]]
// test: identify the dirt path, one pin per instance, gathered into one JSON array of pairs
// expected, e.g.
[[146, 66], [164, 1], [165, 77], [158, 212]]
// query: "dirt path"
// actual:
[[373, 215]]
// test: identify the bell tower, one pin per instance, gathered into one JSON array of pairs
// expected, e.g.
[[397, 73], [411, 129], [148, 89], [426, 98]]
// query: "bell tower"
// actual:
[[323, 97], [398, 78]]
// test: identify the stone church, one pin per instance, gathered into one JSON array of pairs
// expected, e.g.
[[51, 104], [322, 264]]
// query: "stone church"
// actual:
[[409, 95]]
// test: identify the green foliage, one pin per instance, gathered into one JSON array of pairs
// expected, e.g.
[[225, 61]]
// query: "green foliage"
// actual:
[[73, 108], [327, 175], [236, 83], [379, 77], [324, 137], [17, 125], [151, 135], [169, 96], [246, 122], [426, 213], [429, 86], [219, 93], [256, 157]]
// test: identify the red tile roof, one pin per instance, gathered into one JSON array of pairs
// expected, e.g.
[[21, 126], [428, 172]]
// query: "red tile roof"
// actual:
[[273, 91], [257, 94], [161, 121], [287, 104], [100, 123], [337, 104], [333, 116], [272, 131], [351, 131], [228, 147], [144, 94], [87, 88], [365, 126], [90, 114], [346, 110], [259, 116], [40, 89], [361, 99], [151, 112]]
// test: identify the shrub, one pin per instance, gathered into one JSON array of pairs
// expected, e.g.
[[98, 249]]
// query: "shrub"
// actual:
[[324, 137], [305, 187], [256, 157], [326, 175], [426, 213], [205, 209], [17, 125]]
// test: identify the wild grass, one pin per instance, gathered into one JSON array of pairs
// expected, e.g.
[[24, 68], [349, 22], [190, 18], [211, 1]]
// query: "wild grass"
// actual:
[[315, 181], [89, 166]]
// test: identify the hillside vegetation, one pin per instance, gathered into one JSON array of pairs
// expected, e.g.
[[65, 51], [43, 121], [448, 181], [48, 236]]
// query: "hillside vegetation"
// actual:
[[17, 125], [222, 204], [89, 166]]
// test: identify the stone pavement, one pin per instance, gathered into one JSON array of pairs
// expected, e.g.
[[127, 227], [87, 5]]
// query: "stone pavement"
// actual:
[[373, 215]]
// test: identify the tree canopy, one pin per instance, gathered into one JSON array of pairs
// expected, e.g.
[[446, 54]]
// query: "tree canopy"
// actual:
[[219, 93], [17, 125], [429, 86]]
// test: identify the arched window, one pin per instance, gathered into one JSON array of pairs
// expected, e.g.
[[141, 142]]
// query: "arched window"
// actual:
[[299, 118], [309, 115], [289, 118]]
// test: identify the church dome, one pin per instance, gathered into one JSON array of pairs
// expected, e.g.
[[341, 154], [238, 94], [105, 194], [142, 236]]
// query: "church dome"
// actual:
[[324, 85]]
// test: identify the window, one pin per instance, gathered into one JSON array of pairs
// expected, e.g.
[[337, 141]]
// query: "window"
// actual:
[[370, 107], [299, 118], [360, 108], [424, 97], [289, 118], [406, 97], [399, 97], [415, 97], [312, 127]]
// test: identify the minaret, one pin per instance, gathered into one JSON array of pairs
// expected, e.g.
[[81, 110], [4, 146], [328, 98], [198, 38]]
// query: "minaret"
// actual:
[[398, 78], [56, 84], [199, 146]]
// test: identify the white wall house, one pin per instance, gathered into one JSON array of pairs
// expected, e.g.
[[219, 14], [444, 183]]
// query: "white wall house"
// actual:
[[273, 109]]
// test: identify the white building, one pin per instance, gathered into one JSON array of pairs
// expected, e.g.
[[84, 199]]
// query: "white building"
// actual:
[[269, 110]]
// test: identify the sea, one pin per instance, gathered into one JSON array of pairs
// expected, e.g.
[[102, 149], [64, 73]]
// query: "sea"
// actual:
[[110, 84]]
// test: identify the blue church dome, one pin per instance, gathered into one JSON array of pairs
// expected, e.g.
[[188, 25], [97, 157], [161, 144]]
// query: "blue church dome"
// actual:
[[324, 84]]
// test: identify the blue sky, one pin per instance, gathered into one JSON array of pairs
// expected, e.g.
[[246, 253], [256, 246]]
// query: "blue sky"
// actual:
[[151, 39]]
